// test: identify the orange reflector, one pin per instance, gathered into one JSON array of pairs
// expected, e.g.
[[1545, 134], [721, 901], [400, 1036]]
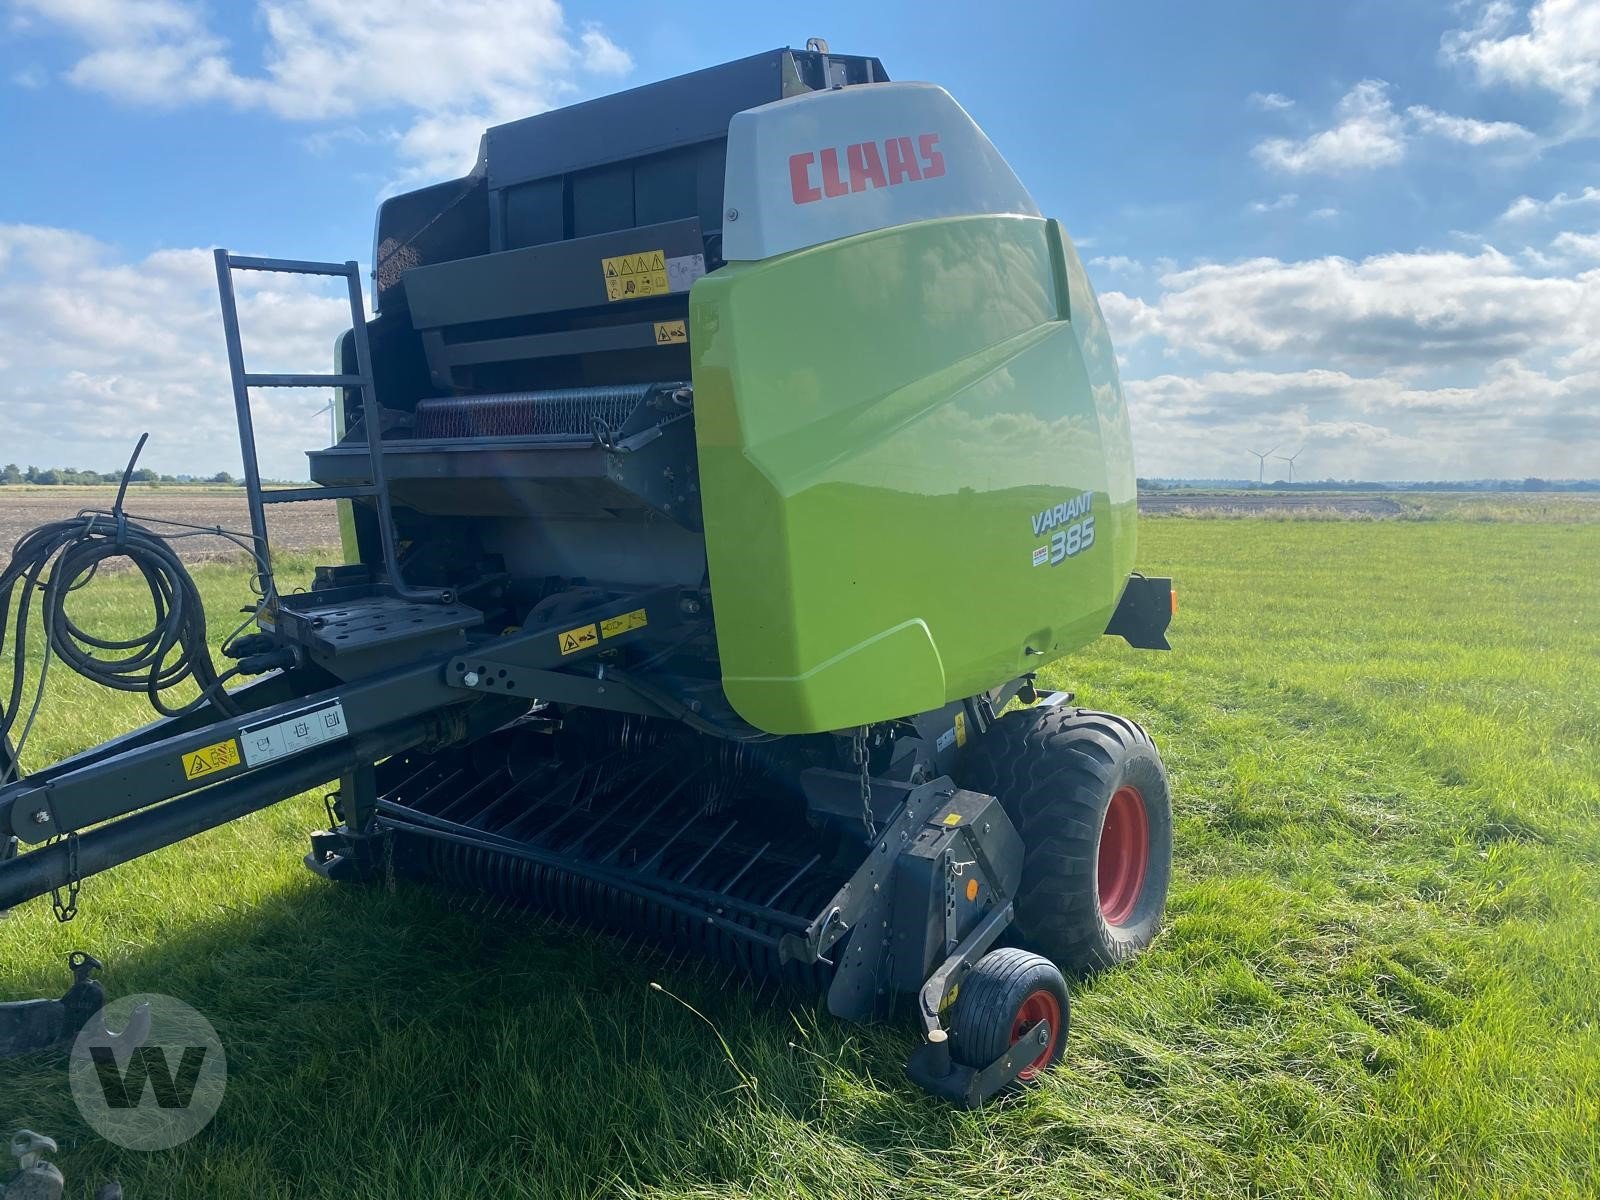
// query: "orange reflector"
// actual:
[[1174, 601], [972, 889]]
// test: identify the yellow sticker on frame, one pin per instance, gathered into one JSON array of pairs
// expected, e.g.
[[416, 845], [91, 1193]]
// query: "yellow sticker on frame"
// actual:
[[581, 638], [671, 333], [211, 760], [635, 276], [626, 623]]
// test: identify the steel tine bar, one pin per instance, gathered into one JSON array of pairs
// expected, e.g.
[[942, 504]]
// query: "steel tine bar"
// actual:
[[481, 819], [616, 809], [694, 866], [575, 783], [644, 820], [754, 858], [431, 792], [794, 879], [667, 845], [466, 795]]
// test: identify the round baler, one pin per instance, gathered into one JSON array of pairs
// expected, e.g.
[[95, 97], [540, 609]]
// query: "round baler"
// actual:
[[724, 460]]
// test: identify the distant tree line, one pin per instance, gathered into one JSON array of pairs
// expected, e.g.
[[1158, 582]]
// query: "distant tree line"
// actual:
[[13, 474], [1530, 484]]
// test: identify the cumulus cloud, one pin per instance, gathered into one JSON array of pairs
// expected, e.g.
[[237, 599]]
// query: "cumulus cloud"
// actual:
[[1366, 133], [96, 349], [1270, 101], [1525, 208], [1417, 365], [1391, 309], [1554, 47], [1466, 130], [1286, 200], [339, 59], [1577, 245]]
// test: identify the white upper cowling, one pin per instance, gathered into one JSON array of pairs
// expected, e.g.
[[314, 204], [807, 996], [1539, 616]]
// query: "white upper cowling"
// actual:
[[825, 165]]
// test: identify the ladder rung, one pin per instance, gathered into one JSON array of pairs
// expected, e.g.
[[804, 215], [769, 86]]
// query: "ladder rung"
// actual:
[[352, 381], [295, 495], [287, 266]]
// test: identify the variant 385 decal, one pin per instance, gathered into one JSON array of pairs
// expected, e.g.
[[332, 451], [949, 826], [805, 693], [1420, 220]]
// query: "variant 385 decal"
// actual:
[[1073, 524]]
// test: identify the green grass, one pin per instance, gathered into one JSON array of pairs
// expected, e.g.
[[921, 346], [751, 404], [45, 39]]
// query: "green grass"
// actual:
[[1379, 977]]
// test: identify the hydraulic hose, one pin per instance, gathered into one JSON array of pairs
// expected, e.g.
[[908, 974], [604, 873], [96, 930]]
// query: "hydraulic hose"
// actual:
[[61, 557]]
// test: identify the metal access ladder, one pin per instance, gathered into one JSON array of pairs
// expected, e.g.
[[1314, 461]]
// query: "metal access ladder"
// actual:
[[375, 486]]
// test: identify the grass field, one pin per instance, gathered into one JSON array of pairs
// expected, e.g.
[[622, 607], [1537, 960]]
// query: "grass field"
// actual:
[[1380, 978]]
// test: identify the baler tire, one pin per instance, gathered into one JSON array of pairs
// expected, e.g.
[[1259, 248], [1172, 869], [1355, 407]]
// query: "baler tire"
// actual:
[[1007, 993], [1066, 777]]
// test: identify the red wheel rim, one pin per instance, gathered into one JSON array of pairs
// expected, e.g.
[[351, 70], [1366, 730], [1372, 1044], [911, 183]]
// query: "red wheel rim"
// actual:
[[1038, 1006], [1124, 855]]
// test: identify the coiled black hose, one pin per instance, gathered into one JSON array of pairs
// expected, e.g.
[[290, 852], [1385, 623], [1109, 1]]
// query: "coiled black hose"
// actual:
[[59, 558]]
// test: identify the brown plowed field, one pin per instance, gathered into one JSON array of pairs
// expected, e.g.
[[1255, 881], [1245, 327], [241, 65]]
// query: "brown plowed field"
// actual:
[[293, 527]]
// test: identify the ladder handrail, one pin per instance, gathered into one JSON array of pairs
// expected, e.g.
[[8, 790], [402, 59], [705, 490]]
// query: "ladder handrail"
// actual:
[[243, 381]]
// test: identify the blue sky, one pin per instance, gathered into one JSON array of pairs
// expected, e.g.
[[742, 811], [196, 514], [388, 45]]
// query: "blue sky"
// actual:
[[1372, 229]]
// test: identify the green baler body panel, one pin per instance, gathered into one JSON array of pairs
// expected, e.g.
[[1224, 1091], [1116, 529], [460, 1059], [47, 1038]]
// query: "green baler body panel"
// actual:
[[880, 421]]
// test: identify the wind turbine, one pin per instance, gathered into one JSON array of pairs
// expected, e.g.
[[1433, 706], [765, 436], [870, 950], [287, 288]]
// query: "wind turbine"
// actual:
[[1261, 464], [333, 422], [1290, 460]]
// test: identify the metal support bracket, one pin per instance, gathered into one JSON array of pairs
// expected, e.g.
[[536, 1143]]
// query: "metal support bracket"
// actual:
[[28, 1026], [969, 1086]]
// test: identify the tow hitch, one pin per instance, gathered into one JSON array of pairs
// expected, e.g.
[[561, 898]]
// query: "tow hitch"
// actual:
[[28, 1026]]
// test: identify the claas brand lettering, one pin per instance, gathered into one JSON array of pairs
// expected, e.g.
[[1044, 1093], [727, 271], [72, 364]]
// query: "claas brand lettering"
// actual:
[[870, 164]]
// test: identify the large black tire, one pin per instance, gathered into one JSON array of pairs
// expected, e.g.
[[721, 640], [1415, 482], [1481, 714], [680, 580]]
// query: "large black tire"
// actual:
[[1089, 794], [1008, 992]]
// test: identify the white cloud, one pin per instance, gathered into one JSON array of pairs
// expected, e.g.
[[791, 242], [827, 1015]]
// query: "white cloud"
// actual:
[[99, 349], [1324, 214], [1525, 208], [1513, 422], [1466, 130], [602, 55], [1557, 47], [1392, 309], [1577, 245], [1118, 262], [1286, 200], [1367, 133], [1270, 101], [1422, 365], [448, 67]]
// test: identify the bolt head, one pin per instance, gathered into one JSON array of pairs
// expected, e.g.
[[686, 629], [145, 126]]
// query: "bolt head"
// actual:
[[42, 817], [733, 214], [470, 679]]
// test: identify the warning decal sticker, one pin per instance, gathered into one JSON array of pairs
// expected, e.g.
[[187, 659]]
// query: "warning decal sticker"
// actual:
[[581, 638], [211, 760], [292, 734], [671, 333], [633, 276], [637, 619]]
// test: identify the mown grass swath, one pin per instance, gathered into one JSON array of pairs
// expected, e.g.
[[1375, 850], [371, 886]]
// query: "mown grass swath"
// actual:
[[1377, 979]]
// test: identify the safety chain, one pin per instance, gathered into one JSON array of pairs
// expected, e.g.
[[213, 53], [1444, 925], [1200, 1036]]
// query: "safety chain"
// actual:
[[859, 755], [67, 909], [388, 861]]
